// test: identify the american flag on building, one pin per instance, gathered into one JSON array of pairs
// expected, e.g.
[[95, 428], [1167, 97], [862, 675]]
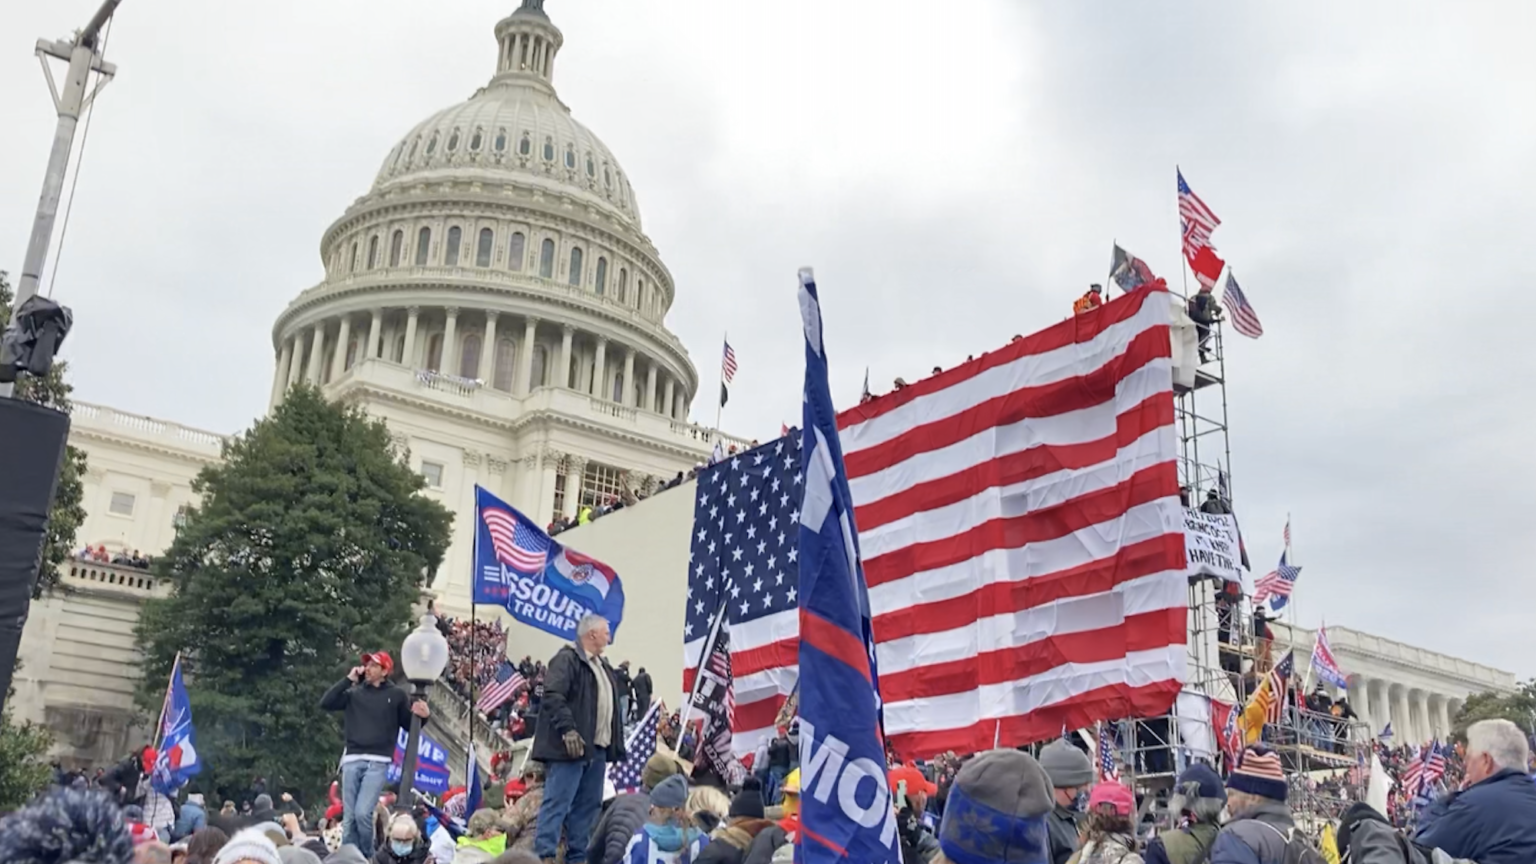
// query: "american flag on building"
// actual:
[[1032, 486], [518, 543], [639, 747], [506, 684], [1109, 766], [728, 363], [1276, 585], [1245, 320]]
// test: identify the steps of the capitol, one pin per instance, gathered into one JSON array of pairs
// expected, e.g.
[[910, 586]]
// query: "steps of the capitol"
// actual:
[[450, 728]]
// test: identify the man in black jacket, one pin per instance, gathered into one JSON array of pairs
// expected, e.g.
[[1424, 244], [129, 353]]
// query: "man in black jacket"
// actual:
[[642, 690], [578, 734], [376, 711]]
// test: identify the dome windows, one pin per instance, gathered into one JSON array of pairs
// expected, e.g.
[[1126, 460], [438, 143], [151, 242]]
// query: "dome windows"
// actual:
[[501, 141], [607, 176], [451, 253], [432, 144], [576, 271], [547, 259], [549, 149], [591, 166], [453, 141], [423, 246], [623, 284], [373, 251], [469, 356], [475, 141], [501, 374], [600, 285], [516, 249], [395, 243], [525, 145], [540, 364], [570, 157], [352, 266], [435, 353], [413, 148], [483, 248]]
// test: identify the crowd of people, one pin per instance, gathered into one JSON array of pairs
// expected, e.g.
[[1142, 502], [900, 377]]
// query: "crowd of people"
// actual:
[[98, 554]]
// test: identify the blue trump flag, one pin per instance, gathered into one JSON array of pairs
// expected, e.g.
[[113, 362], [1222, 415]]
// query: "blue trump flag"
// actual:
[[431, 764], [541, 582], [176, 759], [846, 811]]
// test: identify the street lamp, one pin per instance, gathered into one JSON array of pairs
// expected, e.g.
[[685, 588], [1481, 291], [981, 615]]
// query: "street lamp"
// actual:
[[423, 656]]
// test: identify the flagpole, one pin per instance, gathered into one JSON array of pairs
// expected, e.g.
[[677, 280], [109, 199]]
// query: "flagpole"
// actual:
[[474, 654], [709, 646], [725, 339], [165, 706], [1183, 265]]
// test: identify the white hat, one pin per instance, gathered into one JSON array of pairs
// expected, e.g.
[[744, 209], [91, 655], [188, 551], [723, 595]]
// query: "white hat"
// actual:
[[248, 845]]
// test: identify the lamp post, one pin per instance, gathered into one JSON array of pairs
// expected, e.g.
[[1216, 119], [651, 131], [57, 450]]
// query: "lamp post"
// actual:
[[423, 657]]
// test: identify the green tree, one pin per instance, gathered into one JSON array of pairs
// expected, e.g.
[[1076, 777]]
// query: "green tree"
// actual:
[[1518, 707], [24, 768], [67, 515], [310, 544]]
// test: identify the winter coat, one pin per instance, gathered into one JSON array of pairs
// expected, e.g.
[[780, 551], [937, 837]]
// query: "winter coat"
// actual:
[[1493, 822], [521, 820], [1113, 849], [1257, 836], [192, 818], [730, 843], [1190, 845], [1064, 829], [617, 825], [642, 690], [373, 716], [570, 702], [385, 855], [763, 846]]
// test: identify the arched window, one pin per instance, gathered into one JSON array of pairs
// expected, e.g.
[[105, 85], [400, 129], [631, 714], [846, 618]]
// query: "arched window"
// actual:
[[469, 356], [397, 354], [516, 251], [623, 285], [396, 241], [501, 141], [453, 141], [351, 353], [432, 144], [540, 361], [547, 259], [618, 387], [435, 352], [506, 365], [413, 148], [549, 149], [423, 245], [352, 267], [399, 154], [570, 157], [607, 177], [601, 283], [451, 254], [483, 248], [475, 141], [373, 251], [525, 146], [575, 265]]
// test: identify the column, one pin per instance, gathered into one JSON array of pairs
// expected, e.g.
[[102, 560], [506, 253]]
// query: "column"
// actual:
[[488, 351], [450, 364], [566, 335], [599, 368], [343, 336], [525, 370], [682, 405], [650, 387], [1419, 700], [409, 357], [371, 350], [667, 401], [316, 352], [1439, 716], [626, 396], [1360, 700], [280, 375], [575, 467], [296, 367], [548, 466], [1402, 725]]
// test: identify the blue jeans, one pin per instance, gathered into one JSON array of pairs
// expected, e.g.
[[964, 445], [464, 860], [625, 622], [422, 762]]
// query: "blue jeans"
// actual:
[[362, 783], [573, 793]]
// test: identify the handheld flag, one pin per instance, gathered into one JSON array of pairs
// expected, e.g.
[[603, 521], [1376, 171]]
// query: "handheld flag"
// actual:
[[431, 763], [841, 739], [541, 582], [472, 779], [1323, 661], [508, 682], [1276, 586], [1128, 271], [176, 761], [638, 750]]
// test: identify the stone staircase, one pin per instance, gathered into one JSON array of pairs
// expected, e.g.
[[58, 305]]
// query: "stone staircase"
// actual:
[[450, 728]]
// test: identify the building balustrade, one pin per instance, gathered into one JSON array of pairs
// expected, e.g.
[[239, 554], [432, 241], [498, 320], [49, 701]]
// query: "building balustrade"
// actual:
[[114, 579], [86, 416]]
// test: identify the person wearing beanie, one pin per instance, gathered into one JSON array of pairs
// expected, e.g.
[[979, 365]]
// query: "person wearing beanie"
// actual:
[[997, 810], [67, 825], [1110, 836], [1261, 828], [250, 846], [668, 834], [1071, 775], [729, 843], [194, 815], [1198, 799], [618, 824]]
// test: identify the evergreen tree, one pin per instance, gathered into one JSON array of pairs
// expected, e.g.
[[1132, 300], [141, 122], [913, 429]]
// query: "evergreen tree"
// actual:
[[53, 391], [311, 543], [24, 768], [1518, 707]]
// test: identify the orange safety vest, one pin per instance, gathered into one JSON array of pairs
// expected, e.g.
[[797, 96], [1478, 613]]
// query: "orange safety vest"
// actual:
[[1084, 303]]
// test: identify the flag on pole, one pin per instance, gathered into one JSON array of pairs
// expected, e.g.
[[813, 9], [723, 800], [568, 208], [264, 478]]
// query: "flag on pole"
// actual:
[[865, 395], [1324, 662], [1207, 267], [472, 781], [713, 698], [727, 373], [638, 749], [1128, 271], [1244, 319], [1268, 702], [1195, 218], [1276, 585], [1109, 767], [176, 759], [508, 682], [840, 714]]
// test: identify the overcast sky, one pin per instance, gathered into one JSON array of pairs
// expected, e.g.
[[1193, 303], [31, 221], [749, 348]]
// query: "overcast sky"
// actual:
[[956, 172]]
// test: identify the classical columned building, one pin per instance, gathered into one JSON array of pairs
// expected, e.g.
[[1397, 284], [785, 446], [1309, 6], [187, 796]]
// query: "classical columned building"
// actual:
[[494, 299], [1417, 690]]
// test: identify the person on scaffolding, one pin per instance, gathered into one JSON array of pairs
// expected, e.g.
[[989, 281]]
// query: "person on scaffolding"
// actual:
[[1093, 299], [1205, 311]]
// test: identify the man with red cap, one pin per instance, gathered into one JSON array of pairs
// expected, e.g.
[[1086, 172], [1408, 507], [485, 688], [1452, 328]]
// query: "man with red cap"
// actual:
[[375, 712]]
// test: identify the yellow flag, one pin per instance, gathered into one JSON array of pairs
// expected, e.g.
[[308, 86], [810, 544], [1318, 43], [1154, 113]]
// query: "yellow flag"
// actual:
[[1330, 844], [1252, 719]]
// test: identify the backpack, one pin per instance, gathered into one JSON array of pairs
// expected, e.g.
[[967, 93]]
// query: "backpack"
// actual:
[[1298, 849]]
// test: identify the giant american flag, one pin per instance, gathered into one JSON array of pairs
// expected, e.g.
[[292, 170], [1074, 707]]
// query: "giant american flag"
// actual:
[[1019, 523]]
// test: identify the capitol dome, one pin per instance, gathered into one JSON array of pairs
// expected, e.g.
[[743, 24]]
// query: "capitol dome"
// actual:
[[493, 298]]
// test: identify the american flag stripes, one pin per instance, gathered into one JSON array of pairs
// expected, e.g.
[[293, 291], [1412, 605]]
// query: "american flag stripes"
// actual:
[[507, 683], [1287, 533], [1109, 766], [1195, 218], [1279, 685], [1018, 525], [517, 543], [1244, 319], [728, 364], [1426, 769], [1276, 585], [638, 749]]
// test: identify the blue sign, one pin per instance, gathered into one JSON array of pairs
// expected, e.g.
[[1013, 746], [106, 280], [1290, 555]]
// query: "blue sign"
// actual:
[[431, 764], [541, 582]]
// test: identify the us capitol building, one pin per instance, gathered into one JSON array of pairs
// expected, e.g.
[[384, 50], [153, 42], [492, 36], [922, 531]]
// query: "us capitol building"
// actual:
[[494, 299]]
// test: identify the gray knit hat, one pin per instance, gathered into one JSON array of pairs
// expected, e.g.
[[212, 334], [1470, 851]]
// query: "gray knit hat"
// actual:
[[670, 793], [248, 845], [996, 811], [1066, 765]]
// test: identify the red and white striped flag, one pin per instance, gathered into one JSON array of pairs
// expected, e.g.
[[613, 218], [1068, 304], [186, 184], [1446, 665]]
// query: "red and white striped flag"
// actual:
[[1020, 531]]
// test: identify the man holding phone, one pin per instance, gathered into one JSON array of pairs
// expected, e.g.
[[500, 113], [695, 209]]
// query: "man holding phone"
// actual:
[[375, 712]]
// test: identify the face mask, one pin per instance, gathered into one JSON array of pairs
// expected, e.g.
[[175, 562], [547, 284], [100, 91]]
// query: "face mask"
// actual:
[[1080, 802], [402, 847], [668, 838]]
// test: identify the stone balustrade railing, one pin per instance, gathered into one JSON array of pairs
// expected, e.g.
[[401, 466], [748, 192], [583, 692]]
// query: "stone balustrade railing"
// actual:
[[85, 415], [450, 720], [92, 576]]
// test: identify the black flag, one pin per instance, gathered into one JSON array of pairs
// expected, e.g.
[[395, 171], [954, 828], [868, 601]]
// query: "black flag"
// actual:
[[725, 394], [714, 704]]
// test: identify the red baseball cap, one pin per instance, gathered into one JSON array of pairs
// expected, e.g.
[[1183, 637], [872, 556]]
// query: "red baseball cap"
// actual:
[[382, 658], [1113, 795], [916, 782]]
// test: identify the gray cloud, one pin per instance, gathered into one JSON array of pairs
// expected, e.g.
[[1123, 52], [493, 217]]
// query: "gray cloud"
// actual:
[[956, 173]]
